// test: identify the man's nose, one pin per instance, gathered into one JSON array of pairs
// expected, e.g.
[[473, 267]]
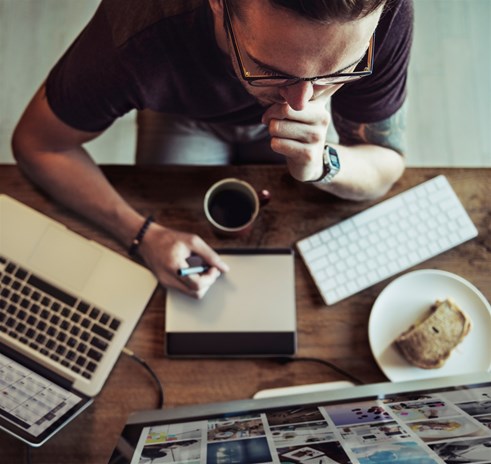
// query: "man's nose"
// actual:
[[297, 95]]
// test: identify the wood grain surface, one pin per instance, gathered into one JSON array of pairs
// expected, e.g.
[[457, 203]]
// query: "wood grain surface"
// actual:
[[336, 333]]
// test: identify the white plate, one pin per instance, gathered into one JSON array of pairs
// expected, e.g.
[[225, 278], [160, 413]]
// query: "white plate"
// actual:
[[405, 300]]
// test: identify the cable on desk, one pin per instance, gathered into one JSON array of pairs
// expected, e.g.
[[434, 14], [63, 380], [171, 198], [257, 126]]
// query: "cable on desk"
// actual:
[[356, 380], [28, 454], [140, 361]]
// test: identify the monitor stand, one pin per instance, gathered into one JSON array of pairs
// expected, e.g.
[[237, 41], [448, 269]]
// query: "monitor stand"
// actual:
[[299, 389]]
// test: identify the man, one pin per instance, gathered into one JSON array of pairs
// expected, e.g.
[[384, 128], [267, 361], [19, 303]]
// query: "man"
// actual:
[[255, 71]]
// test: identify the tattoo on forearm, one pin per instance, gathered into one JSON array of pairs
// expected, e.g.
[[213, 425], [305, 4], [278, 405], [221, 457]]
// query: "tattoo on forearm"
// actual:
[[389, 133]]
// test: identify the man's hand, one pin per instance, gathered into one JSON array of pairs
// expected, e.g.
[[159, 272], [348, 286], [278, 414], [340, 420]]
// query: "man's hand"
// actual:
[[166, 250], [370, 153], [299, 135]]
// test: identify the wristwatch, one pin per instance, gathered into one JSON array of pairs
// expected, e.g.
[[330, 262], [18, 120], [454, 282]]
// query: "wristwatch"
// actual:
[[330, 165]]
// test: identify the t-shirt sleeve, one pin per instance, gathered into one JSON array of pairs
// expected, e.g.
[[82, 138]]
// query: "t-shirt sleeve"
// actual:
[[89, 87], [380, 95]]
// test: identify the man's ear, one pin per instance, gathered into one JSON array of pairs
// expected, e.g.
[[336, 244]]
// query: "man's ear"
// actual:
[[217, 7]]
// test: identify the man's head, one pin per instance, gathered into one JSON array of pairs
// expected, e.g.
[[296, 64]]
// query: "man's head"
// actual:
[[302, 39], [321, 10]]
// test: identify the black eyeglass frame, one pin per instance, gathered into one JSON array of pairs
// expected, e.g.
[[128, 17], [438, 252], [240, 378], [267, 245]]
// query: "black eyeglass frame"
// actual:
[[254, 80]]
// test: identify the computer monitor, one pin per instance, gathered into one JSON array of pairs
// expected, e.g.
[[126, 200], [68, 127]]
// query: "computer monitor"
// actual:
[[425, 421]]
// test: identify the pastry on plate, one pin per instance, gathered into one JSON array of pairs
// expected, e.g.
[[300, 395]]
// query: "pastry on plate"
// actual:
[[429, 343]]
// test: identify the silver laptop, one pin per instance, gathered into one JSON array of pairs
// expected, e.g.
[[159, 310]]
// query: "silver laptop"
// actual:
[[67, 307]]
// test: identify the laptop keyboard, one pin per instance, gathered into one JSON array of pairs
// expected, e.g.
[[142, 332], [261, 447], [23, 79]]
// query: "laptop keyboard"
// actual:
[[385, 239], [60, 326]]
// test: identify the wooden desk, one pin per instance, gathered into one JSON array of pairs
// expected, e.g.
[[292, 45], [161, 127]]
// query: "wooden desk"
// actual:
[[337, 333]]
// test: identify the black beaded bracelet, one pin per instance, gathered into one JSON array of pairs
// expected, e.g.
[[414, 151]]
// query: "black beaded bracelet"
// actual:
[[139, 236]]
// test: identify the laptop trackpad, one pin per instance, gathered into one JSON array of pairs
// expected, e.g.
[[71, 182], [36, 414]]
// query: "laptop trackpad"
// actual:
[[64, 257]]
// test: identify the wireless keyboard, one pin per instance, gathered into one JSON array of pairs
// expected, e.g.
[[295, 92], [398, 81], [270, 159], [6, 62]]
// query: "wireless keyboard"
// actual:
[[386, 239]]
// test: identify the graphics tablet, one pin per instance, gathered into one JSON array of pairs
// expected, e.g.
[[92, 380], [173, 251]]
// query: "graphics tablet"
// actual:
[[425, 422], [249, 311]]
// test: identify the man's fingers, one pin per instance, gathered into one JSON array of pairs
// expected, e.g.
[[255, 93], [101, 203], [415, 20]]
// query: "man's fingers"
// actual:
[[197, 285], [313, 113], [293, 130], [209, 256]]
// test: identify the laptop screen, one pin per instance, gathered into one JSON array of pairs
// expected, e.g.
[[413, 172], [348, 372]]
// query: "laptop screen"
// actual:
[[33, 407], [432, 421]]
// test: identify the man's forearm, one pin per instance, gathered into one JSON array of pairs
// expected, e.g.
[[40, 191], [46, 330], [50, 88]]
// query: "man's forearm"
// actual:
[[51, 154], [367, 172], [371, 155], [73, 179]]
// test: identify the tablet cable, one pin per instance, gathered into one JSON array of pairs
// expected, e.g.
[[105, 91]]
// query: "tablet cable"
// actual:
[[330, 365], [143, 363]]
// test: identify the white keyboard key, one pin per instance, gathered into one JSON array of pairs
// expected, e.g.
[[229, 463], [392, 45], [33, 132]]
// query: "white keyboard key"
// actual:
[[362, 269], [346, 226], [386, 239], [332, 296], [351, 287], [325, 235], [333, 258], [339, 280], [330, 272], [332, 245], [351, 261], [315, 253], [315, 240], [319, 264], [353, 236], [343, 241], [382, 209], [350, 274], [466, 232], [304, 246], [341, 266], [371, 252], [335, 231], [342, 292], [328, 285], [393, 268], [361, 284], [452, 225], [430, 187]]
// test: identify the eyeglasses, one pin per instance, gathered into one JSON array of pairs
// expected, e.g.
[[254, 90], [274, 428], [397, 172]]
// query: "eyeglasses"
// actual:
[[270, 79]]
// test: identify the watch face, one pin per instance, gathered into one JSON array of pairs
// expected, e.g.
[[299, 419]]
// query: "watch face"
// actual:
[[334, 160], [331, 165]]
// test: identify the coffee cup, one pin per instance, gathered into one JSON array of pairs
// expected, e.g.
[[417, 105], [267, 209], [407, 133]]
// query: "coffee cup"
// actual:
[[232, 205]]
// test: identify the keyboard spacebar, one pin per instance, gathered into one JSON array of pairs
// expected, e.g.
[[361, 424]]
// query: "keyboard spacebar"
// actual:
[[53, 291], [382, 209]]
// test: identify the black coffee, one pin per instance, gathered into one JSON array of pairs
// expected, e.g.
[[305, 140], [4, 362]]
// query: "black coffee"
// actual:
[[231, 208]]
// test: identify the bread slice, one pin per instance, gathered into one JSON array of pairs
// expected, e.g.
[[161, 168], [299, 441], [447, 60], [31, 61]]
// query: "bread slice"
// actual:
[[429, 343]]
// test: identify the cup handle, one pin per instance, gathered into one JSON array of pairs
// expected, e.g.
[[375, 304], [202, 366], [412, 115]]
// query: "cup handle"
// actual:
[[264, 197]]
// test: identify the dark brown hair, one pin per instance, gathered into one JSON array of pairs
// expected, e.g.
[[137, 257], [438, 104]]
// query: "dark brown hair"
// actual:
[[320, 10]]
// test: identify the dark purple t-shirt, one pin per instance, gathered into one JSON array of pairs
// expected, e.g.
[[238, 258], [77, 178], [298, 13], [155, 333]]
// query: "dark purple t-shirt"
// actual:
[[162, 55]]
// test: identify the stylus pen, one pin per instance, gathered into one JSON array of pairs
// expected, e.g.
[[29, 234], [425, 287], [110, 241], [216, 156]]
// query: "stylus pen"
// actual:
[[185, 271]]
